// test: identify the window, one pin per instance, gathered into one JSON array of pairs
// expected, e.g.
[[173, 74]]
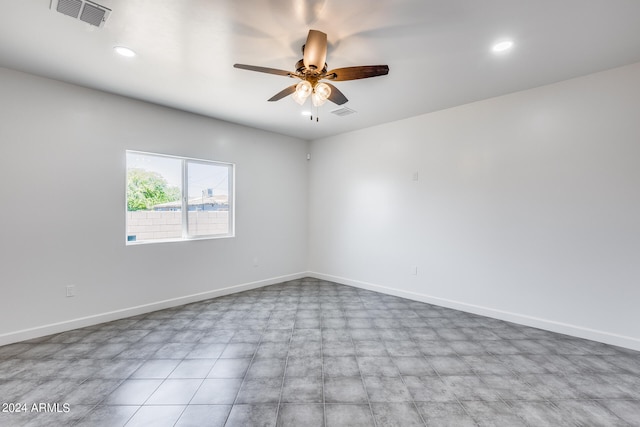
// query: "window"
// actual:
[[175, 198]]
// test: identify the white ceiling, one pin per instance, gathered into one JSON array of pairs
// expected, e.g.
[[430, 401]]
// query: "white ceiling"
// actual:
[[438, 52]]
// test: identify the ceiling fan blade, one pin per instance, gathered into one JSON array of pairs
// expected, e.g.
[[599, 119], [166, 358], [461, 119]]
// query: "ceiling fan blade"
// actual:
[[315, 50], [336, 96], [264, 70], [355, 73], [284, 92]]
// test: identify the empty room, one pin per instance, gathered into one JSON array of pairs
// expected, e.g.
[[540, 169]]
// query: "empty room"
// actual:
[[320, 213]]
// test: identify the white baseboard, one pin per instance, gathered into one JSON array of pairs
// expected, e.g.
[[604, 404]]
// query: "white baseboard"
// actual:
[[549, 325], [67, 325]]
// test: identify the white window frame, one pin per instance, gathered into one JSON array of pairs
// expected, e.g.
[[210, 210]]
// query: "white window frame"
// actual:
[[185, 161]]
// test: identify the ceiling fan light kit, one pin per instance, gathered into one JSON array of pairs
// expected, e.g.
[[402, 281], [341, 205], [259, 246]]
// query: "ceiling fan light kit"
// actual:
[[312, 68]]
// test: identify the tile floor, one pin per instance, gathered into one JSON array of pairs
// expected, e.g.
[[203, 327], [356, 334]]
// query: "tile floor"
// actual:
[[313, 353]]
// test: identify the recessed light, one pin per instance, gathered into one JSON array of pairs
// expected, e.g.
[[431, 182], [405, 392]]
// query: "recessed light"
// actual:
[[502, 46], [124, 51]]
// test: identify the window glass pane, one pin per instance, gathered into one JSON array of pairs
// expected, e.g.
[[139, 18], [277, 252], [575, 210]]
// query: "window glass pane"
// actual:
[[154, 191], [175, 198], [208, 194]]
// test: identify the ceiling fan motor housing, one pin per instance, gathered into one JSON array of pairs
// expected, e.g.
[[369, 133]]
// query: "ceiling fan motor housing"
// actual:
[[300, 68], [312, 68]]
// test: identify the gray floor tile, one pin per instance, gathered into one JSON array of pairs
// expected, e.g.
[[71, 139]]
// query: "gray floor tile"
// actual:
[[174, 392], [108, 416], [187, 335], [445, 414], [304, 366], [341, 415], [276, 335], [386, 389], [360, 323], [159, 416], [378, 366], [91, 392], [364, 334], [13, 390], [173, 351], [344, 390], [540, 413], [217, 391], [334, 323], [597, 386], [302, 390], [589, 413], [260, 390], [370, 348], [429, 389], [493, 414], [336, 335], [193, 368], [12, 350], [305, 335], [266, 368], [500, 347], [396, 414], [272, 350], [256, 415], [522, 364], [340, 366], [401, 348], [486, 365], [630, 364], [239, 350], [510, 387], [299, 348], [338, 348], [471, 387], [133, 392], [138, 350], [229, 368], [204, 415], [53, 390], [413, 366], [628, 410], [41, 350], [449, 365], [468, 348], [206, 351], [307, 415], [306, 342], [155, 369], [549, 386]]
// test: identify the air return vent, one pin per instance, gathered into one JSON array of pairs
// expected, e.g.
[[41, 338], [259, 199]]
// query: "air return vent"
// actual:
[[84, 10], [344, 111]]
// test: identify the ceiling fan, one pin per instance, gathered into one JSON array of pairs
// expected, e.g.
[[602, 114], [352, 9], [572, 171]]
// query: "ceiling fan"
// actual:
[[312, 68]]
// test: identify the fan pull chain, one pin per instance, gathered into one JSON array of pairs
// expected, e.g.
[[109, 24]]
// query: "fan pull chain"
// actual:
[[317, 115]]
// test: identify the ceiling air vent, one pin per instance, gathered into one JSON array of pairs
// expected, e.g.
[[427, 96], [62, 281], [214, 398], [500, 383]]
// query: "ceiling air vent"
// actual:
[[84, 10], [344, 111]]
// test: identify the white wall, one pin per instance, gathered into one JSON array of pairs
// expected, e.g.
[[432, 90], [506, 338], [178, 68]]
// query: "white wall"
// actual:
[[526, 208], [62, 152]]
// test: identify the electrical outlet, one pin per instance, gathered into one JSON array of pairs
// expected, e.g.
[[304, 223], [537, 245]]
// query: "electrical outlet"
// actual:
[[414, 271], [256, 262], [71, 290]]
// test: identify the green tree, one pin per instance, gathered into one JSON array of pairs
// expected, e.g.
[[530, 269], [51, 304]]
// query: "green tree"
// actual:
[[146, 189]]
